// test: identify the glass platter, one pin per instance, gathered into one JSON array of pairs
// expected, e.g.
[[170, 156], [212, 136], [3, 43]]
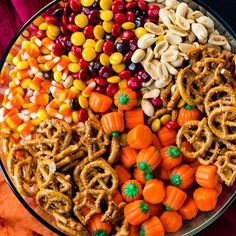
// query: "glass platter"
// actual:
[[192, 227]]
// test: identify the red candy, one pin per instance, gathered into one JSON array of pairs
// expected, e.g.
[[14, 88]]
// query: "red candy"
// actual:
[[130, 16], [65, 20], [72, 17], [142, 5], [130, 5], [127, 35], [72, 27], [83, 64], [94, 16], [76, 50], [100, 81], [116, 30], [172, 125], [118, 6], [127, 57], [50, 19], [83, 74], [83, 115], [88, 32], [134, 83], [112, 89], [40, 34], [120, 18], [157, 102], [153, 11], [133, 44], [57, 49], [75, 5], [125, 74], [108, 47]]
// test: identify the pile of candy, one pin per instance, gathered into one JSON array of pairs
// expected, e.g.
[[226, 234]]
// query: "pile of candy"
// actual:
[[118, 117]]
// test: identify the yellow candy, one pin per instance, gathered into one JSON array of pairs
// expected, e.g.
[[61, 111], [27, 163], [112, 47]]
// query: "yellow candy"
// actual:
[[165, 118], [89, 54], [77, 38], [87, 3], [98, 32], [128, 26], [118, 68], [9, 58], [25, 83], [53, 30], [49, 35], [38, 21], [74, 67], [156, 125], [81, 20], [80, 85], [105, 4], [22, 65], [113, 79], [12, 84], [57, 76], [123, 84], [36, 122], [89, 43], [140, 31], [43, 26], [72, 57], [45, 50], [75, 116], [106, 15], [116, 58], [160, 38], [42, 114], [107, 26], [16, 60], [83, 101], [99, 45], [104, 59]]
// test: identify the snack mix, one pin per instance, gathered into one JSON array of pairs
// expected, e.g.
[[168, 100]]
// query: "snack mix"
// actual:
[[118, 117]]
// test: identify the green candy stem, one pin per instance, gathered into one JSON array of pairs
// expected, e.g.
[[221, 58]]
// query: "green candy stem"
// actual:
[[143, 166], [114, 134], [168, 208], [144, 207], [142, 231], [175, 180], [123, 99], [173, 152], [100, 232], [148, 176], [131, 190], [188, 107]]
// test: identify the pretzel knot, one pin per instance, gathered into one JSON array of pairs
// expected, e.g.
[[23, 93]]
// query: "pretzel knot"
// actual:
[[222, 122], [53, 201], [196, 133], [219, 96], [226, 165]]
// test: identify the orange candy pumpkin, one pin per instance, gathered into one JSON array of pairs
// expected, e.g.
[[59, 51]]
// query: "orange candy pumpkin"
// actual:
[[136, 212], [139, 137], [128, 156], [131, 190], [141, 176], [123, 174], [113, 123], [167, 136], [148, 159], [133, 118], [171, 221], [151, 227], [187, 113], [99, 102], [189, 209]]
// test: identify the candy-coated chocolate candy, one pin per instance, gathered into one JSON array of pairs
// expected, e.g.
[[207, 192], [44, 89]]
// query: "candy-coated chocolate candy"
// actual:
[[127, 35], [75, 5], [57, 49], [134, 67], [75, 104], [116, 58], [99, 45], [106, 15], [126, 74], [118, 68], [101, 81], [83, 75], [82, 63], [133, 44], [50, 19], [112, 89], [72, 17], [105, 72], [130, 5], [77, 38], [107, 26], [122, 46], [72, 27], [139, 21], [108, 47], [156, 102], [105, 4], [134, 83], [64, 30], [104, 59], [118, 6], [100, 89], [116, 30], [87, 3], [153, 11], [81, 20], [142, 75], [83, 115], [127, 57], [98, 32], [142, 5], [130, 16], [88, 31], [120, 18], [140, 31], [128, 25], [94, 67], [77, 51], [172, 125], [94, 16], [89, 54]]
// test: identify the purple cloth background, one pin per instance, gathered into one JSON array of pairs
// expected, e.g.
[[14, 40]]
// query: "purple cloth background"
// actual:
[[15, 13]]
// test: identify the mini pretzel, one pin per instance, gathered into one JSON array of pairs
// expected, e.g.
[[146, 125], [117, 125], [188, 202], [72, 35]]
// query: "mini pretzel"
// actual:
[[219, 96], [161, 112], [95, 175], [24, 177], [53, 201], [226, 165], [195, 132], [174, 100], [189, 88], [114, 151], [123, 230], [222, 122], [69, 225], [45, 173], [166, 94]]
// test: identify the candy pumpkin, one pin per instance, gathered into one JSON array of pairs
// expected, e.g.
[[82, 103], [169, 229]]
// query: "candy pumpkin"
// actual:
[[128, 156], [167, 136], [123, 174], [171, 157], [174, 198], [182, 176], [139, 137], [162, 173], [99, 102], [187, 113], [151, 227], [189, 209], [148, 159], [131, 190], [205, 198], [113, 123], [125, 99], [133, 118], [156, 209], [171, 221], [136, 212], [142, 176]]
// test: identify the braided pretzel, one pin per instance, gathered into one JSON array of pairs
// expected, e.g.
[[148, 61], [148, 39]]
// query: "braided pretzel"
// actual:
[[195, 132], [219, 96], [222, 122]]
